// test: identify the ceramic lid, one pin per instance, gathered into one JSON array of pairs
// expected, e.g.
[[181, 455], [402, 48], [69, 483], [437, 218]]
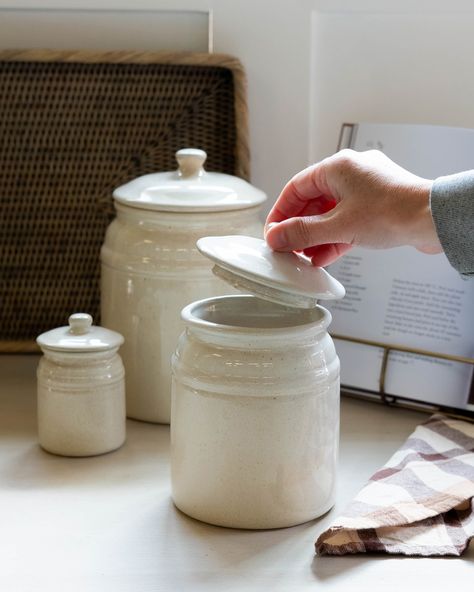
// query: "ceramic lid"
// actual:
[[189, 189], [286, 278], [80, 336]]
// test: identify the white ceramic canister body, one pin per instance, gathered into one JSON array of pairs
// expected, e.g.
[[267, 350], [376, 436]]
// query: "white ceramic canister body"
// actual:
[[81, 391], [255, 414], [151, 269]]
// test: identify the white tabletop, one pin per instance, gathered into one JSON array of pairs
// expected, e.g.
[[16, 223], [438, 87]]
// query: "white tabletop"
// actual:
[[107, 523]]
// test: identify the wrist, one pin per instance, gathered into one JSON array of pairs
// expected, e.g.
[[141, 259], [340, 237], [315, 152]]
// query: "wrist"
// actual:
[[423, 235]]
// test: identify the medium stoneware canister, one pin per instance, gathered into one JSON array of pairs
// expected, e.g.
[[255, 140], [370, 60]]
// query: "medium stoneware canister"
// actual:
[[151, 268], [255, 403], [81, 389]]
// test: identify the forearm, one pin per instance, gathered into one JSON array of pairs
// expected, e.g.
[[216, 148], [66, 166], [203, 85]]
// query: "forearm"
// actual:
[[452, 208]]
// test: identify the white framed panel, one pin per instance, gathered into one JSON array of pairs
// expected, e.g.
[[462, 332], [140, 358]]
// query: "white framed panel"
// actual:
[[105, 29], [381, 66]]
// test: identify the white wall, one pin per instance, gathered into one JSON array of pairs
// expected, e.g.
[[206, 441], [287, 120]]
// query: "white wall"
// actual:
[[403, 65], [302, 87]]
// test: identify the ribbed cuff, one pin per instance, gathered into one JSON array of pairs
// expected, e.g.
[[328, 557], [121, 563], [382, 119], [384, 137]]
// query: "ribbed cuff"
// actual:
[[452, 208]]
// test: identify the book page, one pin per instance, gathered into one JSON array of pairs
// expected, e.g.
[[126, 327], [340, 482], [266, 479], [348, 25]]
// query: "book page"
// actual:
[[413, 305], [403, 297]]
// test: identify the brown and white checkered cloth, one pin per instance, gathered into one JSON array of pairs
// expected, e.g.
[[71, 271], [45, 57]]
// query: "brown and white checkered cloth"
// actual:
[[420, 503]]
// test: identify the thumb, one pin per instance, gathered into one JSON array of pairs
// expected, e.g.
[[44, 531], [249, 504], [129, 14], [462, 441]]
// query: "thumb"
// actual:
[[299, 233]]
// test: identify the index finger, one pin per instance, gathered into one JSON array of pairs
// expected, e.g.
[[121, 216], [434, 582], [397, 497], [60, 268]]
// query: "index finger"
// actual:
[[305, 186]]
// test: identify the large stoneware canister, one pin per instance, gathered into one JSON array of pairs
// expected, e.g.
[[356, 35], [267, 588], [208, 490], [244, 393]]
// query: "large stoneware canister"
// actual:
[[151, 268], [255, 403]]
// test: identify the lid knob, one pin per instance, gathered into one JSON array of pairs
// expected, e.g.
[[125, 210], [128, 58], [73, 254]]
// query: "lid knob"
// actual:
[[80, 323], [190, 162]]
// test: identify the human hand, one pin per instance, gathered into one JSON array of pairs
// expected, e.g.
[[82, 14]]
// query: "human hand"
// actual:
[[352, 199]]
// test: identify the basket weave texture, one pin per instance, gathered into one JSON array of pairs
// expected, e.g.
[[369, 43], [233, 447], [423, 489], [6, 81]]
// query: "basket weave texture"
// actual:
[[73, 126]]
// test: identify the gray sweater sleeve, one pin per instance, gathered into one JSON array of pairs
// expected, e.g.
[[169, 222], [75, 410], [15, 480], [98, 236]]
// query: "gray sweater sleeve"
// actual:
[[452, 208]]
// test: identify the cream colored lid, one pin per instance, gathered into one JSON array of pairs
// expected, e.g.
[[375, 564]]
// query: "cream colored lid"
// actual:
[[189, 189], [286, 278], [80, 336]]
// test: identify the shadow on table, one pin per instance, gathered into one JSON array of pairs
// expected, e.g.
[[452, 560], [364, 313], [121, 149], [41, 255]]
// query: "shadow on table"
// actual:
[[147, 445], [329, 567], [236, 540], [212, 553]]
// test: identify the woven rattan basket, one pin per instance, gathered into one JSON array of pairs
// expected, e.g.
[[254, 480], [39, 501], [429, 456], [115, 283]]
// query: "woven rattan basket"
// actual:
[[75, 125]]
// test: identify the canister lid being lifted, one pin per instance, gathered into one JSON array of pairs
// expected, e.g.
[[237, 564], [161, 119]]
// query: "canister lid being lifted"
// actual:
[[285, 278], [189, 189]]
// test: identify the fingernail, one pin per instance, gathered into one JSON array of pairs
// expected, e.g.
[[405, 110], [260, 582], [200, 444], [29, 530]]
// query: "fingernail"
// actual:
[[267, 228], [278, 239]]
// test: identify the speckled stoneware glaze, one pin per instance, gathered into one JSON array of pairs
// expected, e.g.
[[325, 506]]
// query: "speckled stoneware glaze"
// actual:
[[81, 389], [255, 413], [255, 403], [151, 268]]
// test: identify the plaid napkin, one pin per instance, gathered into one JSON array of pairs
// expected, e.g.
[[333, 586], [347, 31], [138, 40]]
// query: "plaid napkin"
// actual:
[[420, 503]]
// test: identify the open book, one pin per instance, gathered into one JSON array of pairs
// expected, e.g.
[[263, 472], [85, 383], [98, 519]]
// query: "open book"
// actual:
[[403, 297]]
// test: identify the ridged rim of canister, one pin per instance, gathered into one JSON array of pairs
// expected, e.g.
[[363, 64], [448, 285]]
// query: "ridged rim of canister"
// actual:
[[308, 320]]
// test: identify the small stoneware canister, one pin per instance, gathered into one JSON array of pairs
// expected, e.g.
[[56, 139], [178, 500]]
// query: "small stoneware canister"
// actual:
[[81, 389], [255, 400], [151, 268]]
